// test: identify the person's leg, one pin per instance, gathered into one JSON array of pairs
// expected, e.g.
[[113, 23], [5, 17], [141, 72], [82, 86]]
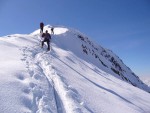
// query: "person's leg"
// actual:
[[48, 45], [41, 30], [42, 43]]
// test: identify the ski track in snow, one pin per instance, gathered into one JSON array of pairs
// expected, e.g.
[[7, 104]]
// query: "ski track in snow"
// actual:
[[43, 99], [63, 80], [63, 98]]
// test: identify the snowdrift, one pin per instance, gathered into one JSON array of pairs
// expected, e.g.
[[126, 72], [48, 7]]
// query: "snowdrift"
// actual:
[[76, 76]]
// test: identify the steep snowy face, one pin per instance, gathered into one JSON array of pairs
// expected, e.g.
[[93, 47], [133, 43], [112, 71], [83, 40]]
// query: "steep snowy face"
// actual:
[[79, 44], [109, 62]]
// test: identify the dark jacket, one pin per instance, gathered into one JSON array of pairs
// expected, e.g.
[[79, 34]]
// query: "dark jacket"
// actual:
[[41, 25], [47, 36]]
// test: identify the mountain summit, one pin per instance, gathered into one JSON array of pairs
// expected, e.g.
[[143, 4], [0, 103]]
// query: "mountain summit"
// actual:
[[76, 76], [82, 47]]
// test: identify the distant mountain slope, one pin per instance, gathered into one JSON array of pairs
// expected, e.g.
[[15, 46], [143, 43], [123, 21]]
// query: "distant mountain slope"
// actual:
[[76, 76], [104, 59], [146, 80]]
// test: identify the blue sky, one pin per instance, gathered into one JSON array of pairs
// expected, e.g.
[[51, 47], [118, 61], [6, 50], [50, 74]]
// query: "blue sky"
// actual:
[[120, 25]]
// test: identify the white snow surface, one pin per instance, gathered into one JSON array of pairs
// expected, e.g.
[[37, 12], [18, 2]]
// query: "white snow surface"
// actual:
[[64, 80], [146, 80]]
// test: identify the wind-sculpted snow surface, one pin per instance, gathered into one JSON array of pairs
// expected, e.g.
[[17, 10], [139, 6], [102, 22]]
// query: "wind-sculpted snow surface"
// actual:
[[76, 76], [59, 92], [84, 48]]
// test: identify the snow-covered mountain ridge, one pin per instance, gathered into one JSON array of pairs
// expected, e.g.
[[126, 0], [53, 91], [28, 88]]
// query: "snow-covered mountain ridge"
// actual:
[[76, 76], [110, 61], [103, 58]]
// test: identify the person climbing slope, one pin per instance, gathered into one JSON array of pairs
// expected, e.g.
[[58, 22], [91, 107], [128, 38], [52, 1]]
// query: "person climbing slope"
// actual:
[[47, 38], [41, 27], [52, 30]]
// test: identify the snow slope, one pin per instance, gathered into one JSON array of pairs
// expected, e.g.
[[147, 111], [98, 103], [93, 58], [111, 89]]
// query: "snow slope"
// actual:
[[76, 76], [146, 80]]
